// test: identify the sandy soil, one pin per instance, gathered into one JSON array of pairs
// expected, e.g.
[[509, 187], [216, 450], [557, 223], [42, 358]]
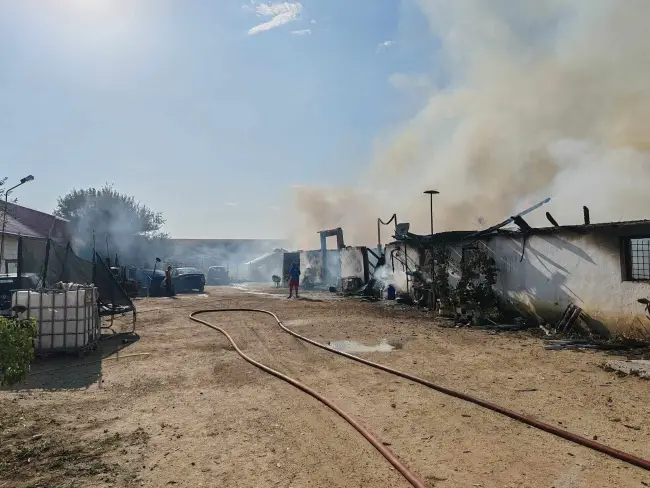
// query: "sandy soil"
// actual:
[[193, 413]]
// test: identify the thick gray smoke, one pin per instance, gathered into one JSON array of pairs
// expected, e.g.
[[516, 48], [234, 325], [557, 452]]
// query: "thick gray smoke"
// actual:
[[114, 224], [544, 98]]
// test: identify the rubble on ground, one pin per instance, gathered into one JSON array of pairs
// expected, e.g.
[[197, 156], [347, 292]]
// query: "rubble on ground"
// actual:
[[636, 367]]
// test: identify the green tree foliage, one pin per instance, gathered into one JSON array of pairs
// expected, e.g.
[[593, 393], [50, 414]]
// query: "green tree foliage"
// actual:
[[117, 221], [16, 349]]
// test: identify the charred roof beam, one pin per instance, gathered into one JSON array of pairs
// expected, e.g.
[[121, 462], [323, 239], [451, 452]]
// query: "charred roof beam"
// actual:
[[550, 218], [521, 223]]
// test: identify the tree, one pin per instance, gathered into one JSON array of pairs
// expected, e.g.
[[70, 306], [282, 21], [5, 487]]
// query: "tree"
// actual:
[[118, 223], [3, 189]]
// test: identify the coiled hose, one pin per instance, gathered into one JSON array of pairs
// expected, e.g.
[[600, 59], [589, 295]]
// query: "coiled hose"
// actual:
[[580, 440], [410, 476]]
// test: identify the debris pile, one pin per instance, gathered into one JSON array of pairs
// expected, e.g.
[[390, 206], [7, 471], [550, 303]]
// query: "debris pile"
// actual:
[[637, 367]]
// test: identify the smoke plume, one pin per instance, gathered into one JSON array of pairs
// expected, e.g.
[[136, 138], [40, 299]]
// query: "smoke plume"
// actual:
[[545, 98]]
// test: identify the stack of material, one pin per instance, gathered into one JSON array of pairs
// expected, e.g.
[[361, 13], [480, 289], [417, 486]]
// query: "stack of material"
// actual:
[[568, 320]]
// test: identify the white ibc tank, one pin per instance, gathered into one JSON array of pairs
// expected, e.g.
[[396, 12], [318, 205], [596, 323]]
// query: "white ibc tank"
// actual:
[[64, 319]]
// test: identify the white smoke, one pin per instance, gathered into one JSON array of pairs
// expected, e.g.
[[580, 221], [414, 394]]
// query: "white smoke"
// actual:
[[233, 254], [545, 98]]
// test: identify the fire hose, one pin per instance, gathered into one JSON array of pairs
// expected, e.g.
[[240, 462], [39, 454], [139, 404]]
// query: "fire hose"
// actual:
[[575, 438], [410, 476]]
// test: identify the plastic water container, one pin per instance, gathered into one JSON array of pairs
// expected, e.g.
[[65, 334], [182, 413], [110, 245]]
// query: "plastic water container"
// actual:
[[65, 320], [390, 292]]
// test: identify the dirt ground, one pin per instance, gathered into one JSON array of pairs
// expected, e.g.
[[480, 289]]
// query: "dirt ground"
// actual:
[[192, 413]]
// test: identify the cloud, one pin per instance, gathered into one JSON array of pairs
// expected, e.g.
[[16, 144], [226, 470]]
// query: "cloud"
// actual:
[[302, 32], [281, 13], [384, 45], [230, 204]]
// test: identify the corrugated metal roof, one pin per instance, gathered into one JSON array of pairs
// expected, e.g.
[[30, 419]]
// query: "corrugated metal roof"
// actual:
[[13, 227], [23, 221]]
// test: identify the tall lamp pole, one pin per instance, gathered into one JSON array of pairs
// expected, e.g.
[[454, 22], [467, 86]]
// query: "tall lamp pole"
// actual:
[[433, 294], [24, 180]]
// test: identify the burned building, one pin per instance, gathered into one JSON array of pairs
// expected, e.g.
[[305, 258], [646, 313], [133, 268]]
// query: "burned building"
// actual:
[[602, 268]]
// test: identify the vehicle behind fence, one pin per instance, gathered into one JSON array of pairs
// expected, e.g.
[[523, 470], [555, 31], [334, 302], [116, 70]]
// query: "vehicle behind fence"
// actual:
[[67, 284]]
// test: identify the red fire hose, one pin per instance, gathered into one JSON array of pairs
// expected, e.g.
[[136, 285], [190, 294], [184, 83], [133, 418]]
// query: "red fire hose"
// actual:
[[411, 477], [583, 441]]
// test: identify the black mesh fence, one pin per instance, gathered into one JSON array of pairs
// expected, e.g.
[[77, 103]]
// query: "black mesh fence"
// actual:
[[111, 294], [31, 257], [51, 263]]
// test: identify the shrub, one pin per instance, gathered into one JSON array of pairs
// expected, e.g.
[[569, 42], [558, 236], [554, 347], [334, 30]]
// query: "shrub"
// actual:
[[16, 349]]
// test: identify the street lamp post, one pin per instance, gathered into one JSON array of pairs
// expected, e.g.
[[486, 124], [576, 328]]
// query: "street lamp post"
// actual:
[[433, 294], [24, 180]]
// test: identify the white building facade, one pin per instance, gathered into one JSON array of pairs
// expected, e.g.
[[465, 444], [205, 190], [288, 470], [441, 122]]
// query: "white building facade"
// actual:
[[603, 269]]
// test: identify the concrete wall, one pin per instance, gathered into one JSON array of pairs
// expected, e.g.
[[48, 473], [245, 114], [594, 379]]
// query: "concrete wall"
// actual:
[[10, 252], [559, 268], [333, 262], [313, 260], [352, 263]]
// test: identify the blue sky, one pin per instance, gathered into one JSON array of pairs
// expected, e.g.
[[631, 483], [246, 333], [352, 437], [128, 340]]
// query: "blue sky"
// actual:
[[184, 107]]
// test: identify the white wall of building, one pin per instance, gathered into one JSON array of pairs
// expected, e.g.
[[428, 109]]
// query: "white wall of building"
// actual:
[[558, 268], [333, 266], [311, 263], [352, 263], [10, 252]]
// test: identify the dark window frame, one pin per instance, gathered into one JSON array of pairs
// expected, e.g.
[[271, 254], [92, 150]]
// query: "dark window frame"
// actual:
[[627, 259], [12, 262]]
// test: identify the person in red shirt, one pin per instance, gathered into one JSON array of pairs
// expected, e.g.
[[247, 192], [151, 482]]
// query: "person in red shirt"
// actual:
[[294, 279]]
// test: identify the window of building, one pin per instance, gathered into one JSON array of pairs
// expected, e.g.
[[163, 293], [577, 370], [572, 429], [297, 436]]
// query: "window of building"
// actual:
[[638, 259], [10, 266]]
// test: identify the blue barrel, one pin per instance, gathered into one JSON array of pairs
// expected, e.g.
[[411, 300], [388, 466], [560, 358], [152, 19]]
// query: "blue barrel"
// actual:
[[390, 292]]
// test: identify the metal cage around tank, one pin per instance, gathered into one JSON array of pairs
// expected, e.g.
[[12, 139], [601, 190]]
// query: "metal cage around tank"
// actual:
[[67, 320]]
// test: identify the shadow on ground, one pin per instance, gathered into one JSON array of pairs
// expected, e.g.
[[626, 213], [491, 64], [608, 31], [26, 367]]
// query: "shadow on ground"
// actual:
[[66, 371]]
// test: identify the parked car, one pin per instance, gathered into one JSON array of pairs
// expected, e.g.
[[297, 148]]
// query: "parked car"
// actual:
[[188, 279], [218, 275], [10, 282], [152, 282]]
